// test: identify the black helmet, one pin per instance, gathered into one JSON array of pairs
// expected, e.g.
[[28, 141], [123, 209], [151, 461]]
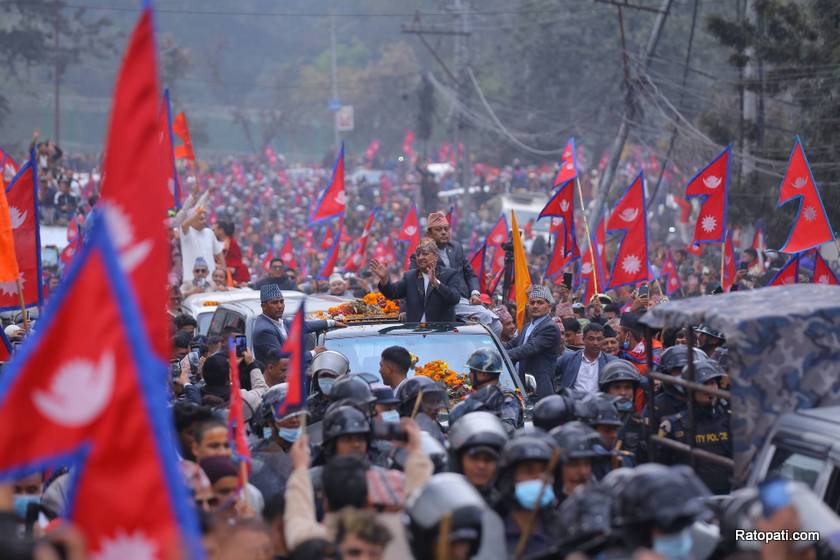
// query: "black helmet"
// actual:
[[721, 356], [618, 370], [434, 396], [444, 494], [673, 358], [586, 518], [669, 498], [576, 440], [709, 331], [485, 360], [477, 429], [705, 371], [344, 420], [525, 448], [553, 411], [266, 412], [354, 389], [598, 409]]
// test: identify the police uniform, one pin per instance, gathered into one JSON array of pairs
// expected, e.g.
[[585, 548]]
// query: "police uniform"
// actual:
[[503, 404]]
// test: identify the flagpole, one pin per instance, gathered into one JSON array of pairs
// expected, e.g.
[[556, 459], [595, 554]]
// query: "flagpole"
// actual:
[[23, 305], [722, 258], [588, 237]]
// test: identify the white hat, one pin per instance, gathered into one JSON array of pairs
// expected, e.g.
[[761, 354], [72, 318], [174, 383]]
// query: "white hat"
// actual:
[[12, 330]]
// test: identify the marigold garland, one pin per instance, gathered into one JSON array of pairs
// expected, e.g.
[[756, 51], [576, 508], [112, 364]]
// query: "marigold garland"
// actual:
[[457, 385]]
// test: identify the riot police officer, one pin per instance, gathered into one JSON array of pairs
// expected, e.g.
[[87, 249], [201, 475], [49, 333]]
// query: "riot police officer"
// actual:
[[598, 411], [620, 379], [671, 399], [711, 429], [580, 448], [346, 432], [709, 339], [656, 507], [525, 486], [433, 398], [475, 446], [327, 367], [278, 432], [485, 365], [353, 389]]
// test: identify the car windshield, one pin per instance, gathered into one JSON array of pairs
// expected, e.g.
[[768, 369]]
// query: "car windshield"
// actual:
[[453, 348], [795, 466], [203, 320]]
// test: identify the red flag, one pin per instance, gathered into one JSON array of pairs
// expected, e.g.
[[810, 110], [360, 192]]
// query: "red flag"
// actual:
[[266, 263], [592, 276], [630, 218], [358, 258], [173, 183], [499, 234], [568, 164], [8, 168], [564, 253], [711, 183], [334, 199], [408, 144], [494, 283], [332, 257], [88, 364], [477, 264], [390, 256], [601, 244], [822, 272], [410, 232], [134, 186], [182, 131], [561, 205], [287, 254], [788, 274], [22, 196], [811, 227], [728, 263], [328, 240], [452, 218], [685, 208], [236, 419], [371, 151], [670, 275], [693, 249], [295, 346], [5, 348]]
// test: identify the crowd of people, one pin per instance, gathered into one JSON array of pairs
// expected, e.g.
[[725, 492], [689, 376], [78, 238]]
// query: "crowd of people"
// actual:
[[385, 466]]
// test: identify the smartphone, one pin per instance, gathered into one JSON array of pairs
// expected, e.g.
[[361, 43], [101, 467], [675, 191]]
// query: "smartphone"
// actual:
[[773, 495], [389, 431], [175, 369], [743, 266], [567, 280], [195, 348], [644, 290], [240, 343]]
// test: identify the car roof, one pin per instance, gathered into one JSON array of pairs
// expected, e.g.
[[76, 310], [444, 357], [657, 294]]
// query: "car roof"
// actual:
[[389, 328], [824, 416], [315, 302]]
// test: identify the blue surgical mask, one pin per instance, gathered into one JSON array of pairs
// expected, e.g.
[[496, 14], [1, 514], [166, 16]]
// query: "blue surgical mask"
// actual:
[[675, 546], [22, 501], [289, 434], [624, 405], [528, 491], [267, 432], [326, 385], [390, 416]]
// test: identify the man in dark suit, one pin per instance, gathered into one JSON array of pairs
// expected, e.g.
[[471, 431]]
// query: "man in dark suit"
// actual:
[[451, 255], [535, 348], [270, 330], [430, 291], [579, 370]]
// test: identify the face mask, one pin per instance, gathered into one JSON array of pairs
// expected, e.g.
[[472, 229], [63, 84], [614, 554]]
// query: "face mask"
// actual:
[[267, 432], [326, 385], [676, 546], [22, 502], [289, 434], [528, 491], [624, 405], [390, 416]]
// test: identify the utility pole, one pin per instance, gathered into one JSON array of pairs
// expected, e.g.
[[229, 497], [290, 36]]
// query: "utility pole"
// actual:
[[624, 128], [334, 80]]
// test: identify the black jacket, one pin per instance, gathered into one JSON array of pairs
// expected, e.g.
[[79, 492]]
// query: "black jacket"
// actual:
[[467, 280], [538, 354], [438, 304]]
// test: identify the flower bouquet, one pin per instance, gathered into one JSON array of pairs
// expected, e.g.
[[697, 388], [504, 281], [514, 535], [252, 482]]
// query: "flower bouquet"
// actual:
[[373, 306], [457, 385]]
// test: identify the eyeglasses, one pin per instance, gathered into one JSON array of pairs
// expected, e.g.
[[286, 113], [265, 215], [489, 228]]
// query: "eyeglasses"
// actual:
[[201, 270], [208, 503]]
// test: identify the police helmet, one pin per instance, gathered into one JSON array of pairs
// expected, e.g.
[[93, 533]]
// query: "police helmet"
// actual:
[[477, 429], [329, 360], [598, 409], [586, 518], [445, 494], [553, 411], [667, 498], [344, 420], [618, 370], [525, 448], [721, 356], [705, 371], [489, 398], [434, 396], [576, 440], [354, 389], [709, 331], [485, 360]]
